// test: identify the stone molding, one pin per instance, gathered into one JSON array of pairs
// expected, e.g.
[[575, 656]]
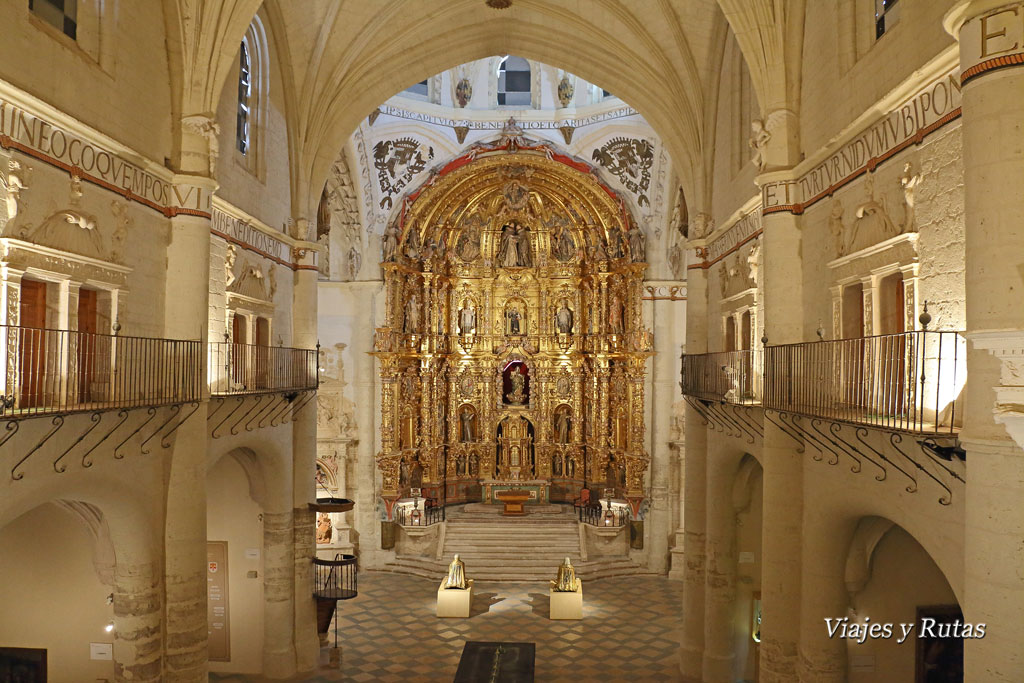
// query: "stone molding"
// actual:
[[1008, 347]]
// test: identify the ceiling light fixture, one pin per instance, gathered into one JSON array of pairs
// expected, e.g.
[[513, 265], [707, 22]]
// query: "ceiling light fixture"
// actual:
[[498, 4]]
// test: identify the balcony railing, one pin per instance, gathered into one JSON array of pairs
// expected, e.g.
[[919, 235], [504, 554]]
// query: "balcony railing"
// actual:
[[48, 372], [252, 369], [730, 376], [904, 382]]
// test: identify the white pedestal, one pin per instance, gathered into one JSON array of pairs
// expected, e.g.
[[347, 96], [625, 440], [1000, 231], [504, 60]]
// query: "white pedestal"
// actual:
[[454, 602], [565, 605]]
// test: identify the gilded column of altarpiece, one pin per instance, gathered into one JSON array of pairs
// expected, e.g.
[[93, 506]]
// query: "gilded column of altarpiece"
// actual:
[[513, 347]]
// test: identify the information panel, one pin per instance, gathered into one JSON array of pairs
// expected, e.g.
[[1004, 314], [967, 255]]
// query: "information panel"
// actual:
[[218, 616]]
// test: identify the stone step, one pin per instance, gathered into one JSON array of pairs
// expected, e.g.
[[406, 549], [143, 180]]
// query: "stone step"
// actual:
[[541, 572]]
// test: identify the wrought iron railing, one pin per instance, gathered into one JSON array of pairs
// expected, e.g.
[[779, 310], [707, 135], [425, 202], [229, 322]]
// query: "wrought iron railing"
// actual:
[[48, 371], [904, 382], [730, 376], [253, 369], [420, 516], [335, 579], [595, 515]]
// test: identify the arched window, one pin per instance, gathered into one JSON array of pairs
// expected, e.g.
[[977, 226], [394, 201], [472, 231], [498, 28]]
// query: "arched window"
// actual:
[[242, 139], [253, 89], [514, 82]]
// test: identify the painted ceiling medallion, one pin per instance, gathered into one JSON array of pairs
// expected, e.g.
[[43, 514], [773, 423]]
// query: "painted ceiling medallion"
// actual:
[[565, 91], [499, 4]]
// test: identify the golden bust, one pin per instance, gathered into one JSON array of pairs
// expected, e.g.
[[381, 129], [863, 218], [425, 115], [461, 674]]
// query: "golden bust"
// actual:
[[566, 582], [456, 574]]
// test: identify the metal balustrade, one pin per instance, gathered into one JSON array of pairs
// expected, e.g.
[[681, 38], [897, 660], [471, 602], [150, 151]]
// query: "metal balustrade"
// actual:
[[908, 382], [335, 579], [236, 369], [596, 515], [729, 376], [48, 372], [426, 516], [903, 382]]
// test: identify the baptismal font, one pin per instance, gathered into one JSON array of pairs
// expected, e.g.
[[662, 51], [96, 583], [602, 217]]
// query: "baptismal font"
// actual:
[[513, 351]]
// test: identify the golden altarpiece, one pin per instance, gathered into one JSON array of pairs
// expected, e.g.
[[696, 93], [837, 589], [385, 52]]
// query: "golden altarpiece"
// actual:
[[513, 353]]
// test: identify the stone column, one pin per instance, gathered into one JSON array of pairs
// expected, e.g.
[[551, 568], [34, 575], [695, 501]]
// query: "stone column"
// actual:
[[784, 323], [691, 651], [677, 562], [186, 302], [138, 653], [10, 315], [720, 564], [824, 593], [279, 652], [991, 41], [304, 335]]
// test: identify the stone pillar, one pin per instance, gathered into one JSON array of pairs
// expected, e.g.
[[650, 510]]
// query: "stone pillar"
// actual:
[[304, 335], [279, 652], [784, 323], [691, 651], [10, 315], [991, 41], [186, 304], [720, 564], [824, 593], [677, 562], [138, 653]]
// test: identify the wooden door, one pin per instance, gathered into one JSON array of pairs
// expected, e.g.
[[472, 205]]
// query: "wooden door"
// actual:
[[88, 346], [35, 384], [892, 364], [238, 350], [262, 353]]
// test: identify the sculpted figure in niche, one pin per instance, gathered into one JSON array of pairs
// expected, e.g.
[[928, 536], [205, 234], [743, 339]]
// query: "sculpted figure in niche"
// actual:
[[614, 242], [413, 245], [563, 426], [323, 528], [412, 315], [563, 318], [637, 244], [514, 321], [468, 245], [355, 262], [835, 224], [474, 465], [518, 381], [615, 314], [467, 318], [873, 224], [565, 248], [390, 247], [514, 251], [467, 425], [759, 137], [908, 181]]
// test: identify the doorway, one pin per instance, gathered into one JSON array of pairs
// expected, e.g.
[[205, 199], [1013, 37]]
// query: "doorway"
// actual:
[[33, 356]]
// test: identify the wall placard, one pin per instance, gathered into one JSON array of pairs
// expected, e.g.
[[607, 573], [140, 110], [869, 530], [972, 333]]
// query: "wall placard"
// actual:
[[218, 616]]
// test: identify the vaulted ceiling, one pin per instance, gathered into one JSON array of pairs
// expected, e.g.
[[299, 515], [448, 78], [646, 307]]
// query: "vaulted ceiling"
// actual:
[[342, 58]]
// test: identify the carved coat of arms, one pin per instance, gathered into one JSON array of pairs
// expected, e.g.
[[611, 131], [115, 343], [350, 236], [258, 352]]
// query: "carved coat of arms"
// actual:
[[397, 162], [629, 160]]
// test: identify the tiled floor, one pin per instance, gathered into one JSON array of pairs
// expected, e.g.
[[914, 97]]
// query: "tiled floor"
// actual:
[[629, 631]]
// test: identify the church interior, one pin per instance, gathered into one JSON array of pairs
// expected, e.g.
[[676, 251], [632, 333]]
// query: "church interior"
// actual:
[[511, 340]]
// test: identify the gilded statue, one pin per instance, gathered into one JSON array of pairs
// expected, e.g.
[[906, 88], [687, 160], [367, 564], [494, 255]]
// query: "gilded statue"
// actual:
[[518, 393], [566, 582], [562, 424], [565, 247], [467, 319], [390, 246], [615, 314], [456, 574], [637, 244], [467, 420], [563, 318], [514, 321], [412, 315]]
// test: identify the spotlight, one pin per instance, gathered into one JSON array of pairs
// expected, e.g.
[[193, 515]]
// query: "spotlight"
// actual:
[[109, 627]]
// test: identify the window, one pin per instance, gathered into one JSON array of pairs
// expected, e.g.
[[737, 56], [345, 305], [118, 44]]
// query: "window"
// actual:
[[418, 88], [886, 16], [61, 14], [514, 82], [244, 99], [253, 97]]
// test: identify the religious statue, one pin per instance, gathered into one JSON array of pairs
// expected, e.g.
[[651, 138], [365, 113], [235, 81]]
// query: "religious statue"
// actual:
[[390, 246], [637, 244], [615, 315], [413, 245], [456, 574], [514, 319], [563, 318], [355, 262], [614, 242], [562, 425], [467, 425], [467, 319], [323, 528], [566, 581], [759, 137], [565, 247], [518, 380], [514, 251], [412, 315], [468, 245]]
